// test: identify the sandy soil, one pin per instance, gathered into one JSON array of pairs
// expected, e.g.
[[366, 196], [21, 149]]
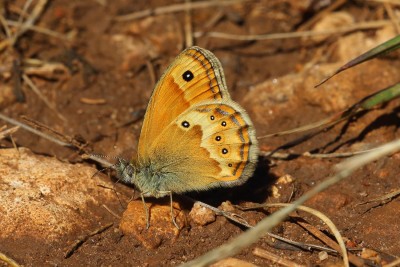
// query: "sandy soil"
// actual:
[[101, 76]]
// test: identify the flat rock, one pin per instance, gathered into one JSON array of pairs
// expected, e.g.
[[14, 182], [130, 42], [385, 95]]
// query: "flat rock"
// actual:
[[46, 199]]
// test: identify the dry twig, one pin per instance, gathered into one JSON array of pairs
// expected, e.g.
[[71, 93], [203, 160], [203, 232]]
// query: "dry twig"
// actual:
[[321, 236], [82, 240]]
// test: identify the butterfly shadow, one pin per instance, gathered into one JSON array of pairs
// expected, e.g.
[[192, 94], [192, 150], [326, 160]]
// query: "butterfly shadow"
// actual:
[[255, 189]]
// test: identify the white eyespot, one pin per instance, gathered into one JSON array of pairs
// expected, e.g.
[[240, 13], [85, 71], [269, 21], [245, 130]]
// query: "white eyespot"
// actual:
[[185, 124]]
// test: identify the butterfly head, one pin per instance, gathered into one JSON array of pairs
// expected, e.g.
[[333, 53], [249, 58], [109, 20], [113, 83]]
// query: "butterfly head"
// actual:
[[126, 171]]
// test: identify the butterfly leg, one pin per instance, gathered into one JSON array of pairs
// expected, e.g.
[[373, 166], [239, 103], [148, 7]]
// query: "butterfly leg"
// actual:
[[172, 208], [146, 209]]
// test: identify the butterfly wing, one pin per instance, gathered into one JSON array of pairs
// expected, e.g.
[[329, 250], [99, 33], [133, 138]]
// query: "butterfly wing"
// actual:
[[210, 145], [196, 75]]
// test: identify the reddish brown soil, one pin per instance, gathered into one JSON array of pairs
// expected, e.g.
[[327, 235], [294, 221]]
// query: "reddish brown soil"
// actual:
[[102, 68]]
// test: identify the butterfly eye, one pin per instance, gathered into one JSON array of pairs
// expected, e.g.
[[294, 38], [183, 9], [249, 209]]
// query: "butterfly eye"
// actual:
[[188, 76]]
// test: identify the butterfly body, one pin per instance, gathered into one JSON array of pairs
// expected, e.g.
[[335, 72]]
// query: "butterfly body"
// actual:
[[194, 136]]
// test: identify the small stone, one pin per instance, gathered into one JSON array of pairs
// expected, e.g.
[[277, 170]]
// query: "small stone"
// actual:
[[161, 229], [285, 179], [370, 255], [201, 215], [351, 244], [323, 255], [275, 191], [282, 187], [227, 206]]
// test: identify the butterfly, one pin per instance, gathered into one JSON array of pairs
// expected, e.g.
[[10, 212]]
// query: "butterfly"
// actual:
[[194, 136]]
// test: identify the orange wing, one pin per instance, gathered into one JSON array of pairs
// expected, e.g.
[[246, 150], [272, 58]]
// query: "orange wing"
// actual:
[[195, 75], [209, 145]]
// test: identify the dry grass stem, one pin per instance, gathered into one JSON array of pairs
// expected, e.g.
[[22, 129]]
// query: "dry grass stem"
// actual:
[[188, 25], [356, 162], [4, 23], [152, 73], [176, 8], [36, 90], [386, 197], [30, 21], [393, 263], [275, 258], [392, 2], [34, 131], [39, 30], [321, 14], [7, 132], [281, 155], [356, 27], [392, 16], [9, 261], [301, 245]]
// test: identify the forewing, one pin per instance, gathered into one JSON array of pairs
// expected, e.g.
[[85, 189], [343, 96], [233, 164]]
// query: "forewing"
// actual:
[[177, 91]]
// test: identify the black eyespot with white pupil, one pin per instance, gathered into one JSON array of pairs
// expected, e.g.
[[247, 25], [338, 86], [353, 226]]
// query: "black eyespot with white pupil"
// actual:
[[224, 151], [212, 117], [230, 165], [185, 124], [223, 123], [188, 76], [218, 138]]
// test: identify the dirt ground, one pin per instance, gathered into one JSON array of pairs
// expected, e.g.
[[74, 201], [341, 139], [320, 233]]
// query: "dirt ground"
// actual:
[[103, 74]]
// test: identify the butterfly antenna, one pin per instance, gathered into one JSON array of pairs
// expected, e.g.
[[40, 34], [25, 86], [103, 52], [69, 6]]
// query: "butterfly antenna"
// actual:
[[100, 159], [115, 191]]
